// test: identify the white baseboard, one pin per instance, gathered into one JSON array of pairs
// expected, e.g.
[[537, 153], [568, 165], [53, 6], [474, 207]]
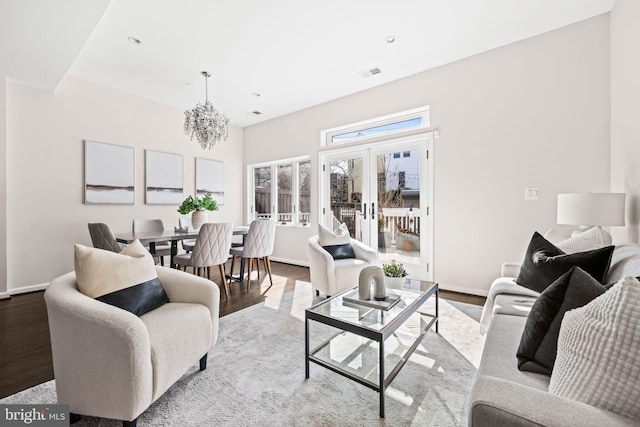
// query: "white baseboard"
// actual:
[[4, 295], [464, 290], [26, 289], [290, 261]]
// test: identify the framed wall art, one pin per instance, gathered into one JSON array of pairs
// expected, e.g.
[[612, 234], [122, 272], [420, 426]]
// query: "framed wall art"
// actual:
[[210, 179], [163, 178], [109, 176]]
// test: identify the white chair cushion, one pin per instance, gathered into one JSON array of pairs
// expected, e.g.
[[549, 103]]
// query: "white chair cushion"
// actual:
[[179, 333], [598, 362], [347, 272]]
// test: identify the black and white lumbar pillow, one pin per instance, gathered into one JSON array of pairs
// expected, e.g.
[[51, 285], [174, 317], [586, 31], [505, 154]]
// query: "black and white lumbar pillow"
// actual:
[[127, 280], [337, 242]]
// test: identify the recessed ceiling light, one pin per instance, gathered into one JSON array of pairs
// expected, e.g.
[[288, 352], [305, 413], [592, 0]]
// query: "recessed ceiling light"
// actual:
[[256, 94], [390, 39], [134, 40]]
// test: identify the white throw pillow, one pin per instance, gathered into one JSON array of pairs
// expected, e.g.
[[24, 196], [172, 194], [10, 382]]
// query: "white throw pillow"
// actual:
[[554, 236], [598, 360], [100, 272], [581, 241], [327, 237]]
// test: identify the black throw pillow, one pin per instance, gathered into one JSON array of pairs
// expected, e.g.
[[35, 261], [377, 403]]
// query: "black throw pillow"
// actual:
[[139, 299], [340, 251], [539, 342], [544, 263]]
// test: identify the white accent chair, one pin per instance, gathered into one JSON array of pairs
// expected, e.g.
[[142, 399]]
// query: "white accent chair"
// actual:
[[110, 363], [144, 225], [210, 249], [331, 276], [257, 244]]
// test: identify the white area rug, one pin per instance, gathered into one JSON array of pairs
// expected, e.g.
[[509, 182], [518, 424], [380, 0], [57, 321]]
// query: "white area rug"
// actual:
[[255, 376]]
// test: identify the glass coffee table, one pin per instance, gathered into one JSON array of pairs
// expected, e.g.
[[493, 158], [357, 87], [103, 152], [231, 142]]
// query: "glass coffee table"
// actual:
[[372, 344]]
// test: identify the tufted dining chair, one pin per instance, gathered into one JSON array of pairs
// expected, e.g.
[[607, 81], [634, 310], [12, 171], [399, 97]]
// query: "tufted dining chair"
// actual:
[[210, 249], [257, 244], [146, 225], [102, 237], [187, 244]]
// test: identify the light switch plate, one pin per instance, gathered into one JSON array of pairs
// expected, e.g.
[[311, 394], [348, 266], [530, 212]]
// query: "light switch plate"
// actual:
[[531, 193]]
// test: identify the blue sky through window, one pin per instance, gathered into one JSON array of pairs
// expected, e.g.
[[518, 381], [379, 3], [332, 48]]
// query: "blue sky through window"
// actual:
[[404, 124]]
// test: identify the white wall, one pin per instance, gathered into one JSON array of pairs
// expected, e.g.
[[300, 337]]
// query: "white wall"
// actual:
[[625, 113], [45, 133], [531, 114], [3, 187]]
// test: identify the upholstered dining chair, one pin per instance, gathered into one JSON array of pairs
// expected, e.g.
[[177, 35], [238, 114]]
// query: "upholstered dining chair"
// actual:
[[144, 225], [257, 244], [102, 237], [187, 244], [211, 248]]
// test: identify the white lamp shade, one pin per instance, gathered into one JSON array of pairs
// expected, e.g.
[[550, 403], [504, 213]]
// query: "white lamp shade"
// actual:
[[591, 209]]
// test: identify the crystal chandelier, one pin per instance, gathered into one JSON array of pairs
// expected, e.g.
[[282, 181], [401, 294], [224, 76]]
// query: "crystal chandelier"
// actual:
[[206, 123]]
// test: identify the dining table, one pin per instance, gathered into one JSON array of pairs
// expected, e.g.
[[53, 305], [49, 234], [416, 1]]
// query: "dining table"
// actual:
[[150, 238]]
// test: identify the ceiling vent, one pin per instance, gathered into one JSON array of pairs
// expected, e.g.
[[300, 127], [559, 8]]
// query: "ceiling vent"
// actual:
[[371, 72]]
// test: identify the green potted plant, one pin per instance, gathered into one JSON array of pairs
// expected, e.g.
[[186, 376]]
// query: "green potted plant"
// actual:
[[394, 274], [199, 206]]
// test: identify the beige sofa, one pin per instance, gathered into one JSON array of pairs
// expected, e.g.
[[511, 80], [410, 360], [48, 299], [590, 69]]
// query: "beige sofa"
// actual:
[[504, 396], [110, 363]]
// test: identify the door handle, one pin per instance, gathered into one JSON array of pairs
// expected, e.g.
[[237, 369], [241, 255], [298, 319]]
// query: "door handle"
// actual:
[[373, 210], [364, 211]]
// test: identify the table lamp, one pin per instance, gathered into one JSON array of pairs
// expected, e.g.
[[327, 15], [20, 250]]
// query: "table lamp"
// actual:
[[591, 209]]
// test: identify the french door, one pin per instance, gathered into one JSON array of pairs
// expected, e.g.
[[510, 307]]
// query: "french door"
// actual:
[[383, 193]]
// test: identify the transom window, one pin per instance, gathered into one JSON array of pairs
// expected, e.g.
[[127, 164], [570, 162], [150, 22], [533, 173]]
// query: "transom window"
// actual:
[[387, 125]]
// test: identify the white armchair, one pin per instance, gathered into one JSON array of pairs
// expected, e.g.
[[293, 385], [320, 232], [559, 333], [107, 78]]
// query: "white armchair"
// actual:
[[110, 363], [331, 276]]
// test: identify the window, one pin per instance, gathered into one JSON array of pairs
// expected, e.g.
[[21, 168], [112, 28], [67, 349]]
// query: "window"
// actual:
[[396, 155], [262, 192], [304, 192], [406, 154], [288, 199], [401, 180], [387, 125]]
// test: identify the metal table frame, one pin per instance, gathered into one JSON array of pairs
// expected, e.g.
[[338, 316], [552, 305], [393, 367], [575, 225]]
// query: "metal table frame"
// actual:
[[378, 336]]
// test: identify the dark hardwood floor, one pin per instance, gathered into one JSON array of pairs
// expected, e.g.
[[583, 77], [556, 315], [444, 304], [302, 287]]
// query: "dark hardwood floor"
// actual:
[[25, 347]]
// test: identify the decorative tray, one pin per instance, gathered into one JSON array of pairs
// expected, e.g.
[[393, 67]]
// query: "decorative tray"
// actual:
[[385, 304]]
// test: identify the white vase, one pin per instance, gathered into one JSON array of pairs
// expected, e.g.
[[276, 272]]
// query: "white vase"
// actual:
[[198, 218], [394, 282]]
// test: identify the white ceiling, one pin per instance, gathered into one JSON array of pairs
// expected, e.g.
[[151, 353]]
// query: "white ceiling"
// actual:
[[294, 53]]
